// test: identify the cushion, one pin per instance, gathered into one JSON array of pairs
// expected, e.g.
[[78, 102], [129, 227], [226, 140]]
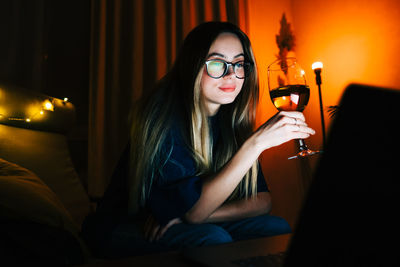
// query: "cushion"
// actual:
[[24, 197], [47, 155]]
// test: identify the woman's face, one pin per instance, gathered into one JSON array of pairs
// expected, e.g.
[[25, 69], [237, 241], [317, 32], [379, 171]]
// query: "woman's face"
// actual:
[[216, 92]]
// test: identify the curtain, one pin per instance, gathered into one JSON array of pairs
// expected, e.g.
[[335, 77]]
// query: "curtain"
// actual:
[[133, 44]]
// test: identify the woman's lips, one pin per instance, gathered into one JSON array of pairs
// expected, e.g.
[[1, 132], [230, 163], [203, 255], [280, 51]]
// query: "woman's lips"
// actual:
[[227, 88]]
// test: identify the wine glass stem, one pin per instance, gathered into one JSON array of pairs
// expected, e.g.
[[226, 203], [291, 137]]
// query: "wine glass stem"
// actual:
[[302, 145]]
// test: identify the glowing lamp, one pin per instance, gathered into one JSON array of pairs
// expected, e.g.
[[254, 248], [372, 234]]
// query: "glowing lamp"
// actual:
[[317, 67], [65, 99], [28, 120]]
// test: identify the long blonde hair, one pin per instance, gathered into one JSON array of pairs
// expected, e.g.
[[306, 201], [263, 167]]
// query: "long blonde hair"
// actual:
[[178, 97]]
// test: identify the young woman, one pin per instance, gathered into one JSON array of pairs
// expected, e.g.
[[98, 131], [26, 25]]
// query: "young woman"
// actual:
[[192, 166]]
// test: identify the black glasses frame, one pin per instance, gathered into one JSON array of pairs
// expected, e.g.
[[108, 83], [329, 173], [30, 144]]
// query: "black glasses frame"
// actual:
[[246, 65]]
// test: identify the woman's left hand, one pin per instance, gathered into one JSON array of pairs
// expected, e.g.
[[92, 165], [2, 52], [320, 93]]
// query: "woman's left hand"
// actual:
[[153, 231]]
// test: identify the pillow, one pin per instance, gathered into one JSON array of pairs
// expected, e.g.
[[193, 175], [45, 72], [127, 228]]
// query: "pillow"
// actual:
[[25, 197], [47, 155]]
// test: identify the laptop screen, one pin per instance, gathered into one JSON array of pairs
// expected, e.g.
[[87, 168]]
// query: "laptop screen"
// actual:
[[350, 215]]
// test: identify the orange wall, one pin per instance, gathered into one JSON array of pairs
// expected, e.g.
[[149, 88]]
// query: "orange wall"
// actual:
[[263, 25], [281, 174], [357, 40]]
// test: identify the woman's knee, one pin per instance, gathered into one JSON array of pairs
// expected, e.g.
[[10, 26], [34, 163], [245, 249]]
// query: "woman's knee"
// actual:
[[214, 234], [192, 235], [259, 226], [272, 225], [279, 225]]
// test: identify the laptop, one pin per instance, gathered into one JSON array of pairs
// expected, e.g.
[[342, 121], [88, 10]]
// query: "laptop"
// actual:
[[350, 215]]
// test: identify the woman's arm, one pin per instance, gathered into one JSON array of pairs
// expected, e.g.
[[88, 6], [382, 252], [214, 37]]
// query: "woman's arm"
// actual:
[[279, 129], [231, 211], [240, 209], [218, 188]]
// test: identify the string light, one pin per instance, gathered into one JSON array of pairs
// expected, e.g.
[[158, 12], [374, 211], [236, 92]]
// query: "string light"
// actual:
[[47, 105]]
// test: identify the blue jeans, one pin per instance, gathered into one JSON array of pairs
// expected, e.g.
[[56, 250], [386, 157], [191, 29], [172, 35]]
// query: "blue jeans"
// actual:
[[127, 238], [192, 235]]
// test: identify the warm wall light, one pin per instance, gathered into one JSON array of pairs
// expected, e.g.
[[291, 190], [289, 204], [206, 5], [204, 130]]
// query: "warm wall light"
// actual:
[[65, 99]]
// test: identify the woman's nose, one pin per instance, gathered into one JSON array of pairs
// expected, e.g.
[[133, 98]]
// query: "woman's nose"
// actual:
[[230, 71]]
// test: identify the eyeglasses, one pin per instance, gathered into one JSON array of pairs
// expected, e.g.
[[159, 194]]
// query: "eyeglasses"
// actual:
[[217, 68]]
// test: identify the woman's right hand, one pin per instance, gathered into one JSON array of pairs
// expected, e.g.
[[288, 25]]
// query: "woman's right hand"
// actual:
[[281, 128], [153, 231]]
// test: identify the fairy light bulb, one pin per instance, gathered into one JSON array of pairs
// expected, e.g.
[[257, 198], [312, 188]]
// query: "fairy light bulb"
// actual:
[[47, 105]]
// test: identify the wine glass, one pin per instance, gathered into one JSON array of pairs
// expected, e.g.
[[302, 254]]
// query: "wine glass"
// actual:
[[289, 92]]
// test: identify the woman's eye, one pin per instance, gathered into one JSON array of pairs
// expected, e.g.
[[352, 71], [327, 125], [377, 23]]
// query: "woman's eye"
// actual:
[[239, 64], [216, 64]]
